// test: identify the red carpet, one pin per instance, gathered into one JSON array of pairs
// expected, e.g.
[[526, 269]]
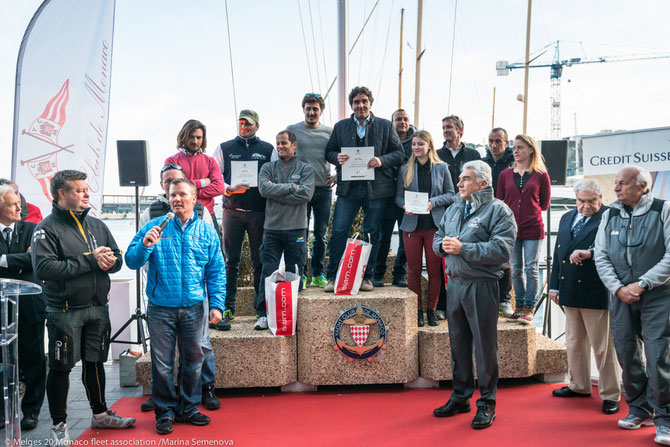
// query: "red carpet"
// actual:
[[526, 415]]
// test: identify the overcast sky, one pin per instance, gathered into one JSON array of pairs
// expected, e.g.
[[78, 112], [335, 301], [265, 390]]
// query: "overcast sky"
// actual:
[[171, 64]]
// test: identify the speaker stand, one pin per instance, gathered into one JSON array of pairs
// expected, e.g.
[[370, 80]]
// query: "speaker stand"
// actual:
[[139, 317]]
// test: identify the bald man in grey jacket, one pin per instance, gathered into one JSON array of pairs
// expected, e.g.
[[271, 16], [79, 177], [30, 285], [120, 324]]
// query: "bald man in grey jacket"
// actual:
[[476, 237]]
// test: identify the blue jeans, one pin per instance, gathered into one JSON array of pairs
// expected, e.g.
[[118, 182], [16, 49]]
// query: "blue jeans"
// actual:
[[346, 210], [525, 258], [208, 374], [320, 204], [392, 215], [181, 326]]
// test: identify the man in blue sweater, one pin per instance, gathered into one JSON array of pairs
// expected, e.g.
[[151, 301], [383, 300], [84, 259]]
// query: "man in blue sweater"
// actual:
[[185, 269]]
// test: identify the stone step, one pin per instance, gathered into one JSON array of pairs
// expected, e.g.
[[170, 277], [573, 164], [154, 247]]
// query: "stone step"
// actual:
[[244, 357], [521, 352]]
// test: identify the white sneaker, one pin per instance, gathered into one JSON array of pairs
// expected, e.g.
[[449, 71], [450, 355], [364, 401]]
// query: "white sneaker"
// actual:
[[261, 324], [662, 435], [505, 309], [60, 435], [111, 420], [632, 422]]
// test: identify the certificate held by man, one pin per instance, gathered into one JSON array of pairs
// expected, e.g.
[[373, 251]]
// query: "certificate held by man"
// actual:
[[244, 172], [416, 202], [356, 167]]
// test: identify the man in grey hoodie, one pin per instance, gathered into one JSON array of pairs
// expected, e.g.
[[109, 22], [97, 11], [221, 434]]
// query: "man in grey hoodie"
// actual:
[[632, 255], [288, 185], [476, 237]]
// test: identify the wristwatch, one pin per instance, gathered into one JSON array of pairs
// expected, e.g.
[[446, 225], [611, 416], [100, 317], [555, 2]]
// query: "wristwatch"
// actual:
[[643, 284]]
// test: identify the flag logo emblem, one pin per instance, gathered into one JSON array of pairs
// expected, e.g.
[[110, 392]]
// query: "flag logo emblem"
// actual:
[[366, 336]]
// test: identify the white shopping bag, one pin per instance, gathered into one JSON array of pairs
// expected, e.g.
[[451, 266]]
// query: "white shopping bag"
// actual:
[[281, 301], [352, 266]]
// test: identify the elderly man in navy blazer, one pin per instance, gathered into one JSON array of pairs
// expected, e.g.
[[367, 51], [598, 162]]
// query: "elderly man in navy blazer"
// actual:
[[576, 285]]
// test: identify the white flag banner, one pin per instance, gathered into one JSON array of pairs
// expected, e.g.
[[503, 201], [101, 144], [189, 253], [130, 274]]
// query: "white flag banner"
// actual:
[[61, 109]]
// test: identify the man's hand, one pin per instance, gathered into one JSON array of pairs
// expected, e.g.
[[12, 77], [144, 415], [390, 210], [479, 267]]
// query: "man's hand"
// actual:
[[214, 316], [578, 256], [206, 182], [152, 237], [430, 206], [28, 251], [553, 296], [375, 162], [239, 188], [627, 293], [331, 180], [451, 245], [341, 158], [104, 257]]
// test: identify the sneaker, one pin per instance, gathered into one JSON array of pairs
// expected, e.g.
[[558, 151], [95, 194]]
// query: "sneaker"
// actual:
[[196, 418], [111, 420], [261, 324], [526, 316], [378, 282], [632, 422], [209, 400], [399, 281], [148, 405], [330, 287], [319, 281], [164, 426], [441, 315], [662, 435], [505, 309], [515, 316], [304, 282], [60, 435], [223, 325], [366, 286]]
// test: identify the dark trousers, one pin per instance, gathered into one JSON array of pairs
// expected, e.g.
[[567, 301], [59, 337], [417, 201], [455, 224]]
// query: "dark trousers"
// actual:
[[293, 244], [391, 216], [320, 205], [472, 314], [235, 223], [33, 363], [646, 384], [346, 209], [505, 285]]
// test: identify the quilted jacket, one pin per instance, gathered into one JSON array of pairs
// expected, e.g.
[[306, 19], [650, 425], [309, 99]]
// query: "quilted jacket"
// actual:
[[181, 263]]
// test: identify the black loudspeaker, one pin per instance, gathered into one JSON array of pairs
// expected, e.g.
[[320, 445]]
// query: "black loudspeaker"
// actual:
[[555, 153], [133, 162]]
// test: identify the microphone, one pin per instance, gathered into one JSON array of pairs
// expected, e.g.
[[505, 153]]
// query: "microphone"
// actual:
[[168, 218]]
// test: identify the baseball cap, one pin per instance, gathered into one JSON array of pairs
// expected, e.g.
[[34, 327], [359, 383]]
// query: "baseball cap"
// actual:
[[249, 115]]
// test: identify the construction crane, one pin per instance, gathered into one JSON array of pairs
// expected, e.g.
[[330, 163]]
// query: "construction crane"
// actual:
[[503, 68]]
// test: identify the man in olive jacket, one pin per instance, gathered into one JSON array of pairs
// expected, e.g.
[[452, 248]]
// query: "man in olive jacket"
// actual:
[[360, 130]]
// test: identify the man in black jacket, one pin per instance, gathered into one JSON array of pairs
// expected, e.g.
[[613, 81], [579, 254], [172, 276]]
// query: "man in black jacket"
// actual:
[[243, 206], [73, 254], [15, 264], [453, 152], [499, 156], [576, 285], [362, 129]]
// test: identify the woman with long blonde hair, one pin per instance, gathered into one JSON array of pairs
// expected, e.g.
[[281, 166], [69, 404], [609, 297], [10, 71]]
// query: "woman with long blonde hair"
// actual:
[[425, 173], [526, 189]]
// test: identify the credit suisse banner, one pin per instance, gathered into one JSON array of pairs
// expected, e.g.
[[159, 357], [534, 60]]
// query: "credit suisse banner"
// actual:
[[607, 154], [61, 108]]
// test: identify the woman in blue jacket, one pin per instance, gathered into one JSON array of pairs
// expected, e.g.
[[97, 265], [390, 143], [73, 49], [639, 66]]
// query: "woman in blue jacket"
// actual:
[[424, 173]]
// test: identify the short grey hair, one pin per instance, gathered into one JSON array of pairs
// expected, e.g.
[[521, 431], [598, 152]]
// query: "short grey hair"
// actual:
[[588, 184], [643, 176], [4, 189], [481, 169]]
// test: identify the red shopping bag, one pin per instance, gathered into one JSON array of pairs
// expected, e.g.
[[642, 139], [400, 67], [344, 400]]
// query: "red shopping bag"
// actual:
[[352, 266]]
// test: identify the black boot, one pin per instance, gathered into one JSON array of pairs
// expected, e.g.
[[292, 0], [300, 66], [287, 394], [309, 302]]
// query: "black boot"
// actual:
[[432, 319], [420, 319]]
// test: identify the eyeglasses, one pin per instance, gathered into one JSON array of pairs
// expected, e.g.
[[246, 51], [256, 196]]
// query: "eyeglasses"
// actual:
[[312, 95], [171, 166]]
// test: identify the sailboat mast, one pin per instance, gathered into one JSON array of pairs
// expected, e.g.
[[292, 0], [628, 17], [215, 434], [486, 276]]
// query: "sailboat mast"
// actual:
[[343, 57], [419, 53], [402, 17]]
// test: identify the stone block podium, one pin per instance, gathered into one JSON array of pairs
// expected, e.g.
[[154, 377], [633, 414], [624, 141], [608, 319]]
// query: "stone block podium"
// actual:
[[321, 363]]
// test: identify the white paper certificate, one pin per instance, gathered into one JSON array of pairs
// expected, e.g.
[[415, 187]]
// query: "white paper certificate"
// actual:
[[356, 168], [416, 202], [244, 172]]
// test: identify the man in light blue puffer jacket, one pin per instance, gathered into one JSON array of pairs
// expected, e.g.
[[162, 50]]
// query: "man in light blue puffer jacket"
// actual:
[[185, 268]]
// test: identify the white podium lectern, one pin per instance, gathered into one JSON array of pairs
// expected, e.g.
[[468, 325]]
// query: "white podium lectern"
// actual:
[[10, 289]]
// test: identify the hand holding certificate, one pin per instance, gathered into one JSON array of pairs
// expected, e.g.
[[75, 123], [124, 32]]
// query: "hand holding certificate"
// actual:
[[356, 167], [244, 172], [416, 202]]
